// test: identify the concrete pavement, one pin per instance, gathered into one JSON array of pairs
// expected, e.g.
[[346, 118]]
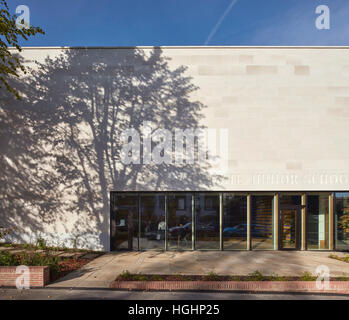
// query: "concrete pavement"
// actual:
[[103, 270]]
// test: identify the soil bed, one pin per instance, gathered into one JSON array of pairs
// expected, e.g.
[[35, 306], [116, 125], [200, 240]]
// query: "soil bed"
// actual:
[[66, 266]]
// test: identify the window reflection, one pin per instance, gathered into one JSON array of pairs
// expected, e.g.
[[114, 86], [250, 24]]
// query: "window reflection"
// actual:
[[125, 211], [235, 222], [207, 221], [290, 221], [342, 221], [262, 222], [153, 224], [317, 221], [139, 221], [180, 221]]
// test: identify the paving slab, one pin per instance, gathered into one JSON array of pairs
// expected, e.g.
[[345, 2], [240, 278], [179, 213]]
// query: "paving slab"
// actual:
[[156, 267], [101, 271]]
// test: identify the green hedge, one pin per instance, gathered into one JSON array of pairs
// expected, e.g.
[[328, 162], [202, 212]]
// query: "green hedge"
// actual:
[[29, 259]]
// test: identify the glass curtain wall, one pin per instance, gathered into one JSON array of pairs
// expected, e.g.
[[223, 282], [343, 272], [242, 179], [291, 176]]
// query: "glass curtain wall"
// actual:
[[207, 221], [141, 221], [234, 222], [179, 221], [317, 221], [262, 216], [286, 200], [342, 221], [289, 221], [152, 221], [124, 209]]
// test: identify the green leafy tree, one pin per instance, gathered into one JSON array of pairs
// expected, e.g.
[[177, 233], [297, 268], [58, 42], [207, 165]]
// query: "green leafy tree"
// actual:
[[10, 63]]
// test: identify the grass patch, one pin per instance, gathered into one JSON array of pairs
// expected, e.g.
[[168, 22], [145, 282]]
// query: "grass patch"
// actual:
[[140, 277], [342, 278], [254, 276], [157, 278], [276, 277], [211, 276], [125, 275], [307, 276]]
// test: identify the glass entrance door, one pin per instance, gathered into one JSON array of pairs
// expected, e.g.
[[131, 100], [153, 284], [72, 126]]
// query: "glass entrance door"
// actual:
[[289, 229]]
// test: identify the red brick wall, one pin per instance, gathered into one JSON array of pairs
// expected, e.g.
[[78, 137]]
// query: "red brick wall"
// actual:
[[247, 286], [39, 276]]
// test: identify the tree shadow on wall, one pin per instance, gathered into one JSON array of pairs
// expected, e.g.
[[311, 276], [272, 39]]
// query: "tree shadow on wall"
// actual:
[[60, 145]]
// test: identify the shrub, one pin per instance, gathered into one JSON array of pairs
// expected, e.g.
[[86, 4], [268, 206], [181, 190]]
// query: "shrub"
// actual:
[[276, 277], [8, 259], [342, 279], [125, 275], [211, 276], [307, 276], [140, 277], [256, 276], [41, 244], [157, 278], [36, 259]]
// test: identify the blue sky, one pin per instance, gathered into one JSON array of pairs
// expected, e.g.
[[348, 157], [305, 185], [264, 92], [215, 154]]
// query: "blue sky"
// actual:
[[184, 22]]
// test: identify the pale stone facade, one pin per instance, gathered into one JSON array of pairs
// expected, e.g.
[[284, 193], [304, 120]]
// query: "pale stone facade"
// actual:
[[286, 111]]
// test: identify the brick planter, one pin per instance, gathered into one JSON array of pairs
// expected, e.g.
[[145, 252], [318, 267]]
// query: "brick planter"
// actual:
[[248, 286], [39, 276]]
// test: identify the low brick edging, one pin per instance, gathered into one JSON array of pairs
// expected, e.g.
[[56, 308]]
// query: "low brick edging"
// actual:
[[248, 286], [39, 276]]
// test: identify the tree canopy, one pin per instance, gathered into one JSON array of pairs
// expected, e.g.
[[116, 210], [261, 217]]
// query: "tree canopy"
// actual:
[[10, 34]]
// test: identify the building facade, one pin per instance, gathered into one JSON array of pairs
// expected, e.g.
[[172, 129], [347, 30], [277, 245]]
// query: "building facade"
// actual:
[[179, 148]]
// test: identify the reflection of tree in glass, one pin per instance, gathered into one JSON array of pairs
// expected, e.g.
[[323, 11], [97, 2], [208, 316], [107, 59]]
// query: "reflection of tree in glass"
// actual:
[[344, 219]]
